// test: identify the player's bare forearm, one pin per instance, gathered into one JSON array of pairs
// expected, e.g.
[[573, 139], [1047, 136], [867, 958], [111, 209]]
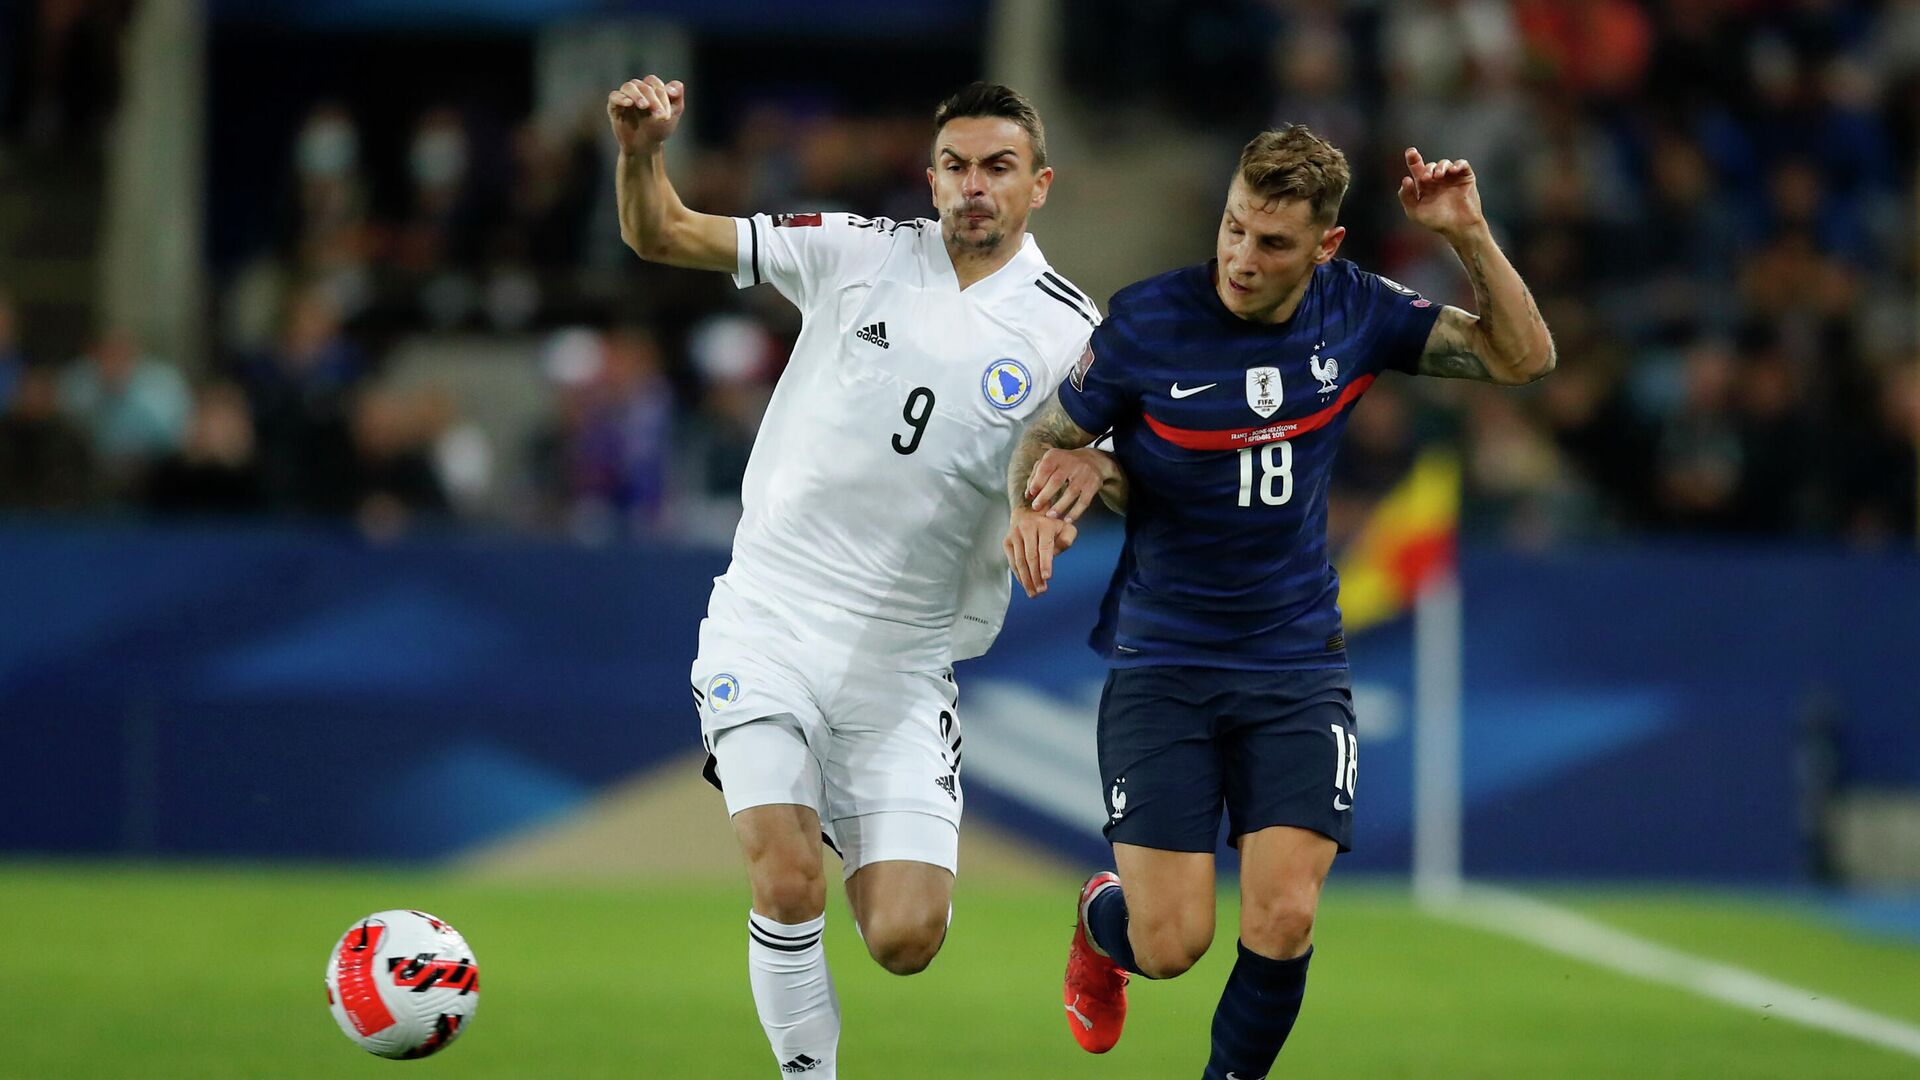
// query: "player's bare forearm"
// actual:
[[1050, 429], [659, 227], [1507, 342], [1035, 535], [644, 113]]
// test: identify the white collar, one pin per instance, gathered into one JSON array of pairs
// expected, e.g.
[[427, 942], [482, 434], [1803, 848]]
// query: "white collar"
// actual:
[[939, 264]]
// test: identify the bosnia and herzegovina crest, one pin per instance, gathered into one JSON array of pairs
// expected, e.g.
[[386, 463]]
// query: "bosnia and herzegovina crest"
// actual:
[[1263, 390]]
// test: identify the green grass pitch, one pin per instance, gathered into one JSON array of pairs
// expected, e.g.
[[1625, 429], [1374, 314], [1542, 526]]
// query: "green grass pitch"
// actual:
[[115, 973]]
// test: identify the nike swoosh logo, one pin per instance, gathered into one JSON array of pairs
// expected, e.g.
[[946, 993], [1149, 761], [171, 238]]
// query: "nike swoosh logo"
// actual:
[[1186, 392], [1236, 1076], [1338, 805]]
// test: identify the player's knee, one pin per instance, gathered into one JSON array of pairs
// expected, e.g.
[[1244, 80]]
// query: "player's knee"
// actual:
[[1281, 927], [905, 944], [791, 891], [1166, 952]]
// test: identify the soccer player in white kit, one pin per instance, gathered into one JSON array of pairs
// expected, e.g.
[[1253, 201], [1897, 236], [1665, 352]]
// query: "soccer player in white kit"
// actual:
[[868, 558]]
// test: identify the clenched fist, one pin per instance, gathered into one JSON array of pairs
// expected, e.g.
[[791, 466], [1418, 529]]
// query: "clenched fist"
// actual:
[[644, 113]]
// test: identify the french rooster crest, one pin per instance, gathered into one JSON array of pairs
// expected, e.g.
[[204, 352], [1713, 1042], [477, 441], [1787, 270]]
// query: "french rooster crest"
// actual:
[[1327, 371]]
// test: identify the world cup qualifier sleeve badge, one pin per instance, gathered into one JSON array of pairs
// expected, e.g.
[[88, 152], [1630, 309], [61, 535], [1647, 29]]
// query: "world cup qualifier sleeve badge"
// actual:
[[1078, 375]]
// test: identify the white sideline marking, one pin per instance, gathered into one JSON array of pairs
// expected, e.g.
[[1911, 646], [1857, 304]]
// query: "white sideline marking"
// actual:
[[1576, 935]]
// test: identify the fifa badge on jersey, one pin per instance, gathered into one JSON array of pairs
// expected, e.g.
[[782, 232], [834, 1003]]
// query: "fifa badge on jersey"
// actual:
[[722, 691], [1078, 376], [1263, 390], [1006, 383]]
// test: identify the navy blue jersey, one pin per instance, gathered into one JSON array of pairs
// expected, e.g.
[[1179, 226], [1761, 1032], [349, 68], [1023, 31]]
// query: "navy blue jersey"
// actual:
[[1227, 431]]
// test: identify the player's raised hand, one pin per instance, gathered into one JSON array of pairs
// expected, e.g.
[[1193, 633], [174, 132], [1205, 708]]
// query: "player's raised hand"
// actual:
[[1033, 539], [1064, 483], [1440, 195], [644, 112]]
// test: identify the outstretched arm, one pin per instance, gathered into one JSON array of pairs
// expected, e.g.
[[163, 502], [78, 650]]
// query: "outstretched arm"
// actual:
[[653, 220], [1507, 342]]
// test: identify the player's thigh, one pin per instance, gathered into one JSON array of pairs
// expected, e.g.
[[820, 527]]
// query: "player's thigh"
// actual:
[[773, 786], [1290, 754], [752, 665], [892, 769], [751, 673], [1282, 871], [902, 887], [1160, 770], [902, 905]]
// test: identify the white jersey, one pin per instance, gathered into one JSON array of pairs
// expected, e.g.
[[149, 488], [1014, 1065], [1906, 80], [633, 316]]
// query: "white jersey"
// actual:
[[876, 492]]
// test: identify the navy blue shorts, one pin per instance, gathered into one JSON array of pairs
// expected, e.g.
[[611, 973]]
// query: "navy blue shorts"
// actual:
[[1273, 747]]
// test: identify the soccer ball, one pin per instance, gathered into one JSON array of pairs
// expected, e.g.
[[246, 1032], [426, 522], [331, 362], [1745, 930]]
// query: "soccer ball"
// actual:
[[402, 984]]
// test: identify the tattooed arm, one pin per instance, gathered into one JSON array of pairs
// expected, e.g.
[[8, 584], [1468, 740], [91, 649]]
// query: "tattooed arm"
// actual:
[[1053, 467], [1508, 341]]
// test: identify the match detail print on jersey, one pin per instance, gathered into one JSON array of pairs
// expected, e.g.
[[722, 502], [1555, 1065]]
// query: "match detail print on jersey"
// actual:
[[1253, 436]]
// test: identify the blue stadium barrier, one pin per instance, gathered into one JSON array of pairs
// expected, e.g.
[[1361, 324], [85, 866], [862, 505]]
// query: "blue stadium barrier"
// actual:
[[279, 692]]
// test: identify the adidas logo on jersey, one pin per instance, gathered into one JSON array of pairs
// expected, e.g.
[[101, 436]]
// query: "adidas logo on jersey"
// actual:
[[801, 1064], [874, 335], [945, 783]]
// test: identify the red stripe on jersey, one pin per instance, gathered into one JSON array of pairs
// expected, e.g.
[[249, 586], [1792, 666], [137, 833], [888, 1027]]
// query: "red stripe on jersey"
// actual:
[[1265, 433]]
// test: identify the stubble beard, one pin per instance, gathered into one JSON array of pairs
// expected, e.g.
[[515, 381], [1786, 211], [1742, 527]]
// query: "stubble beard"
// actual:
[[959, 243]]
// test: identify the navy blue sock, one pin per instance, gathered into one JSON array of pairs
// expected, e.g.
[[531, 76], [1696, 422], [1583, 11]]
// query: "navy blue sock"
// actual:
[[1257, 1011], [1107, 922]]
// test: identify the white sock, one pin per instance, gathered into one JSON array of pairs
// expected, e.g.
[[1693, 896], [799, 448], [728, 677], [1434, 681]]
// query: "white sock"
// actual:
[[794, 993]]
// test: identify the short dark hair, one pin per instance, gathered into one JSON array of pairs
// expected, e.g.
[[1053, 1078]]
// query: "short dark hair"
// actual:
[[993, 99], [1294, 163]]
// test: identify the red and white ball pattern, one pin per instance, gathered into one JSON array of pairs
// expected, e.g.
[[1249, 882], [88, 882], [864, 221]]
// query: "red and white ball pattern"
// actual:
[[402, 984]]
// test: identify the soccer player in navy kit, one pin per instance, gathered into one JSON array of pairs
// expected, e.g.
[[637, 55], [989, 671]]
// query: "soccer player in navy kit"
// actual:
[[1225, 388]]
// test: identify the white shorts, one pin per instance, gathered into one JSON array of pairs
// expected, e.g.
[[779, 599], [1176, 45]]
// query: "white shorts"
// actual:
[[875, 752]]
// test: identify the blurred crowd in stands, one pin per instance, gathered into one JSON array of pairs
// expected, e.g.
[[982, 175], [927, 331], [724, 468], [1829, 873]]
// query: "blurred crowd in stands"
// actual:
[[1713, 200]]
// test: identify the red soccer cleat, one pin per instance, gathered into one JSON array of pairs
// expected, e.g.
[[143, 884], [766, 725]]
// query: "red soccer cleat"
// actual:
[[1096, 989]]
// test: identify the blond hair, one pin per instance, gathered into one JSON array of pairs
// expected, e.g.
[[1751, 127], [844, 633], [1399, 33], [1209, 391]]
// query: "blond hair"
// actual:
[[1294, 163]]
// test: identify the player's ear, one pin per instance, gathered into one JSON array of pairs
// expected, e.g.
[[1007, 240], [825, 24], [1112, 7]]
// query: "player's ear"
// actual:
[[1042, 181], [1329, 244], [933, 188]]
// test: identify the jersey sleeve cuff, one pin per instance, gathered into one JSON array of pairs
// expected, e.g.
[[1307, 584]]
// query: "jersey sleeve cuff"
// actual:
[[1077, 411], [1418, 329], [746, 271]]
